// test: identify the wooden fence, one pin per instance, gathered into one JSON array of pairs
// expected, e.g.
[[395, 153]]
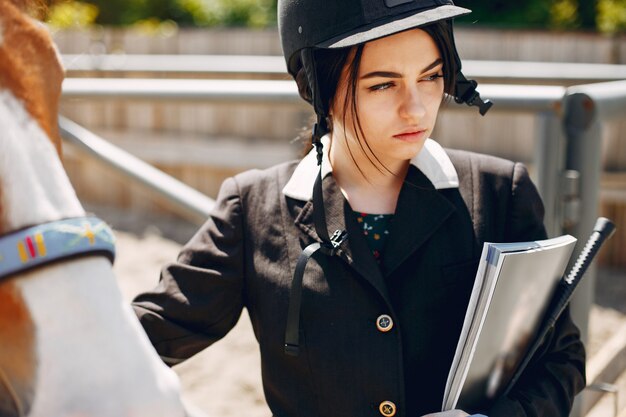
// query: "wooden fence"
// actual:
[[202, 143], [473, 43]]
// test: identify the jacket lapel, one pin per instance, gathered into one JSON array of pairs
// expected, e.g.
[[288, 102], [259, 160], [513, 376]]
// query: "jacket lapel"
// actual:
[[354, 250], [420, 211], [470, 188]]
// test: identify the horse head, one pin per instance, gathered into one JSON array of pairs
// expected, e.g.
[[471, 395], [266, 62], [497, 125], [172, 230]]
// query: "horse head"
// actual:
[[70, 344]]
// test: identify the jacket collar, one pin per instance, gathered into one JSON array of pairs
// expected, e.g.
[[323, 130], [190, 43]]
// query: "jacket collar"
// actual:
[[417, 200], [339, 217], [432, 161]]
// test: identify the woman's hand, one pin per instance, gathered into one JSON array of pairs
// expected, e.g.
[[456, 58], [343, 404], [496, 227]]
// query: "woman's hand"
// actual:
[[451, 413]]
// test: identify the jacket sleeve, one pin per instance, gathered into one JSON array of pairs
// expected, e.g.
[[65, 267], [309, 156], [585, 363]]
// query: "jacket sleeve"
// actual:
[[199, 297], [556, 372]]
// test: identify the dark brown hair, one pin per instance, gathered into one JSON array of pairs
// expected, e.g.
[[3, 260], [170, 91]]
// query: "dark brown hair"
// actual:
[[331, 62]]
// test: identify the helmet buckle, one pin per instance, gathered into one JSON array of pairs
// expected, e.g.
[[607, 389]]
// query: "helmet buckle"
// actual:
[[466, 93]]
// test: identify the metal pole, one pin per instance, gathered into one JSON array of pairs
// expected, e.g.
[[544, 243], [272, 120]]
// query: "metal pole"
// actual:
[[513, 98], [190, 203], [274, 66], [584, 137], [585, 107], [550, 165]]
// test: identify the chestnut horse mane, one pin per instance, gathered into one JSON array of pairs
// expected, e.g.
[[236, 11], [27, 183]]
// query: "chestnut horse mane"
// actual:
[[27, 86], [28, 5]]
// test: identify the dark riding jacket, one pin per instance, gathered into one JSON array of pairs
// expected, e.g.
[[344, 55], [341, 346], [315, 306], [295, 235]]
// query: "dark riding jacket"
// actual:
[[246, 252]]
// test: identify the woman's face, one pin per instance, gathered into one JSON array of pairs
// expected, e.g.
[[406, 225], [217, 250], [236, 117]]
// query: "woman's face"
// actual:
[[399, 89]]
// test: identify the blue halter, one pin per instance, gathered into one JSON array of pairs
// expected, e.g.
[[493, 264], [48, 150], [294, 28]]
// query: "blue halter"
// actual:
[[50, 242]]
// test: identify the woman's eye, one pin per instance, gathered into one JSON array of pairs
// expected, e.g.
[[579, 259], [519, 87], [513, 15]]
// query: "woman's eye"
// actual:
[[381, 87], [433, 77]]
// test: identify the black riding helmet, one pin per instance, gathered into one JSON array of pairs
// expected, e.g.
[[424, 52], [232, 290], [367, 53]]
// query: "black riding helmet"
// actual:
[[306, 25]]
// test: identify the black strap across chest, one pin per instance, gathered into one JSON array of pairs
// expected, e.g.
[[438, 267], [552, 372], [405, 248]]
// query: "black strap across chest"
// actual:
[[328, 246]]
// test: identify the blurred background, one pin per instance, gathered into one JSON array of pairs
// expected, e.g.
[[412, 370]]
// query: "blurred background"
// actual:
[[198, 89]]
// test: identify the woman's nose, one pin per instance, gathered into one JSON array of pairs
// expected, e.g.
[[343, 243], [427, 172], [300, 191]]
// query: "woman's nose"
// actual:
[[412, 106]]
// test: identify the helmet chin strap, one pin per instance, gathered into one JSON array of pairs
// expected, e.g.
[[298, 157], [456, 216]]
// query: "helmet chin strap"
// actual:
[[320, 128], [465, 92], [329, 245]]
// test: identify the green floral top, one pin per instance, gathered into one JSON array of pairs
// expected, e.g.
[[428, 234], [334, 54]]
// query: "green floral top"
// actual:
[[376, 230]]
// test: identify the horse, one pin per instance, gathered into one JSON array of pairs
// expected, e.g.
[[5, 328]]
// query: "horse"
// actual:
[[69, 344]]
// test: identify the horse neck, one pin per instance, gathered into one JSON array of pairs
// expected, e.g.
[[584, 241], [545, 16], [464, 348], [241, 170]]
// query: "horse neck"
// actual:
[[35, 188], [74, 315]]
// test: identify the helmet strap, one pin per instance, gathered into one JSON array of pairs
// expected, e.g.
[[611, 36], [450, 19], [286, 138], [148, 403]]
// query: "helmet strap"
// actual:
[[316, 138], [329, 245], [465, 92], [320, 128], [464, 89]]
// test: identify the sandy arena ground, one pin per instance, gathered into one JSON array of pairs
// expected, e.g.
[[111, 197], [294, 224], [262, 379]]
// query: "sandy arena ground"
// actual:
[[225, 380]]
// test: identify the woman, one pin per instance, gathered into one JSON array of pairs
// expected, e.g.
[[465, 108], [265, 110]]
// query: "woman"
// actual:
[[366, 319]]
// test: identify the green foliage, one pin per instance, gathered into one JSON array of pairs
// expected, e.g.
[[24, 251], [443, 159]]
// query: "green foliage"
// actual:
[[564, 14], [250, 13], [604, 15], [611, 15], [72, 15], [506, 13]]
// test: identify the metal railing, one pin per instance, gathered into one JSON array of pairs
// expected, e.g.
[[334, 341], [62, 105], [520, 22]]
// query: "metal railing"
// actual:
[[512, 98], [274, 66], [221, 91], [516, 98], [586, 109], [545, 101], [186, 201]]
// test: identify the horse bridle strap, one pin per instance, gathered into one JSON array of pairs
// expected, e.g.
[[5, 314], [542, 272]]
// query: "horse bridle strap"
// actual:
[[51, 242]]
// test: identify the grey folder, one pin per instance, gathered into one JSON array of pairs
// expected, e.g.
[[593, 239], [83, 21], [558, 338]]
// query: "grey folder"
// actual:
[[514, 283]]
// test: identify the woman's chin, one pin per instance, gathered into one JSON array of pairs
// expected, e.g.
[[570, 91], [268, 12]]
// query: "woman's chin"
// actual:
[[407, 150]]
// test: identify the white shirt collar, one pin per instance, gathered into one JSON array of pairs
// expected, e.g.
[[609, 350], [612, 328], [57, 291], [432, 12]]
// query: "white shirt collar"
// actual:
[[432, 161]]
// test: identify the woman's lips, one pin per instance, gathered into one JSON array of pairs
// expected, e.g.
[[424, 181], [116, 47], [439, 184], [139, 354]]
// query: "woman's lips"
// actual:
[[413, 136]]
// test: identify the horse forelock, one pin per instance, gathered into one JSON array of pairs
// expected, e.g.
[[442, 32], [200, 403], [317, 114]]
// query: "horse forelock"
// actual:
[[30, 72], [25, 76], [21, 4]]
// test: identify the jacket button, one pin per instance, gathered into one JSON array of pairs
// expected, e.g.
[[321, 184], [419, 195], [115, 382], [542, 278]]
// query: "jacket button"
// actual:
[[384, 323], [387, 409]]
